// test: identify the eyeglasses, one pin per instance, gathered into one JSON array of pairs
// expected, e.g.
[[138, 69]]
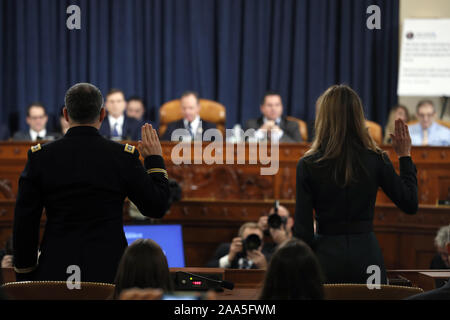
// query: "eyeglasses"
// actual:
[[38, 117], [425, 115]]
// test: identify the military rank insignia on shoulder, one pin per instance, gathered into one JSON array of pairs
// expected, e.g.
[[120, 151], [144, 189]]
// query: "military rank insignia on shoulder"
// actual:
[[129, 148], [36, 148]]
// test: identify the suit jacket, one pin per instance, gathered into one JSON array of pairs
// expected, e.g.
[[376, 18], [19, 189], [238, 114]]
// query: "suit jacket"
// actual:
[[442, 293], [223, 250], [290, 129], [82, 181], [345, 256], [25, 136], [172, 126], [131, 129]]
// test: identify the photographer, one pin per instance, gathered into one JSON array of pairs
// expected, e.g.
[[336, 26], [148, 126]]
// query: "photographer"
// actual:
[[244, 251], [277, 225]]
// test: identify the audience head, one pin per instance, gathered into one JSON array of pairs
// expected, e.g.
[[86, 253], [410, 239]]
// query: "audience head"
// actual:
[[63, 123], [190, 105], [115, 103], [143, 265], [272, 105], [251, 228], [442, 243], [84, 105], [37, 116], [284, 232], [426, 113], [293, 274], [135, 108], [341, 132], [401, 112]]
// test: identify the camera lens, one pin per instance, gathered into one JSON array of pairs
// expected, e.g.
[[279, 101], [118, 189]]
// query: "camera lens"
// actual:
[[252, 242], [274, 221]]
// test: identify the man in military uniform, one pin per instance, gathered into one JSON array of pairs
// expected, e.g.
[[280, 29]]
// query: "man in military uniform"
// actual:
[[82, 181]]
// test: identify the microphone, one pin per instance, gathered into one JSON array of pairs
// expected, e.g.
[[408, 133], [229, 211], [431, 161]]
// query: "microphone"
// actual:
[[189, 281], [276, 206]]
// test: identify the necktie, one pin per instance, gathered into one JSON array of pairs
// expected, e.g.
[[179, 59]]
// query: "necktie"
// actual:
[[39, 138], [425, 137], [115, 133], [191, 132]]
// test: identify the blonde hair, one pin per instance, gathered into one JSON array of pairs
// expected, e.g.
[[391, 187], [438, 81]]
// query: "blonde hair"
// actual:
[[390, 126], [248, 225], [341, 132]]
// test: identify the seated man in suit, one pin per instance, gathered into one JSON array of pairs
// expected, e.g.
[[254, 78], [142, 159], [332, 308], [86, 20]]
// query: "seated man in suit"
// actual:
[[272, 123], [37, 121], [441, 260], [195, 126], [118, 126], [428, 132], [136, 109], [244, 251]]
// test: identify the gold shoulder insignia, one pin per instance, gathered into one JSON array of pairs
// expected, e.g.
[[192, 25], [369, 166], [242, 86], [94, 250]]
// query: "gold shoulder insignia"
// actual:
[[36, 148], [129, 148]]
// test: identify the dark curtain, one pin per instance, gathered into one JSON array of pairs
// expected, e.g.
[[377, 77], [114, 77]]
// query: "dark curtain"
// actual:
[[231, 51]]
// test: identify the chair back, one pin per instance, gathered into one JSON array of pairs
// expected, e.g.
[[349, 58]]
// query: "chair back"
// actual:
[[302, 127], [210, 111], [57, 290], [375, 131], [350, 291]]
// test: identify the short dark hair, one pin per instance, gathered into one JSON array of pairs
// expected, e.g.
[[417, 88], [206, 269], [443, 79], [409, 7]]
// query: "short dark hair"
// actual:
[[270, 93], [83, 102], [293, 273], [113, 91], [191, 93], [424, 102], [35, 104], [136, 98], [143, 265]]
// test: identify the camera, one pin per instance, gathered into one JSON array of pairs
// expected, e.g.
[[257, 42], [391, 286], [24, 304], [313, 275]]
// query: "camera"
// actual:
[[275, 221], [252, 242]]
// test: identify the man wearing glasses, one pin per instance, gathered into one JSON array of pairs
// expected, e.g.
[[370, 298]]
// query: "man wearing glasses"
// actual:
[[428, 132], [37, 121]]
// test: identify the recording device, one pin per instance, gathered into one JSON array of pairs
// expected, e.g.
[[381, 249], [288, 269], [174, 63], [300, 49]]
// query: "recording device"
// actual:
[[185, 281], [275, 221], [252, 242]]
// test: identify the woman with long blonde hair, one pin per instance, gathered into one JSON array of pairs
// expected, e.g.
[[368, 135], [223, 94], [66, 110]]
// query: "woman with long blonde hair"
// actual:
[[339, 178]]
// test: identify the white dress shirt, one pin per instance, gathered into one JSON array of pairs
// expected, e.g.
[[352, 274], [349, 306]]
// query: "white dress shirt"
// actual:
[[35, 134], [437, 135], [195, 124], [112, 122]]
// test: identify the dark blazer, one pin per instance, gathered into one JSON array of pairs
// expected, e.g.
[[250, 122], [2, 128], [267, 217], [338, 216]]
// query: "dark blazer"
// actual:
[[172, 126], [223, 250], [437, 263], [442, 293], [4, 133], [82, 181], [290, 129], [131, 129], [25, 136], [345, 255]]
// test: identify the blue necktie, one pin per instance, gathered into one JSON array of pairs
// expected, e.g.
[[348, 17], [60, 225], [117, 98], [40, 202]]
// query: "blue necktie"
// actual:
[[190, 130], [115, 133]]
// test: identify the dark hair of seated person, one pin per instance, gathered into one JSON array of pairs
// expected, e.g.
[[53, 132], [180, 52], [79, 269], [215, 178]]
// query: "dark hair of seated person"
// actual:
[[143, 265], [294, 273]]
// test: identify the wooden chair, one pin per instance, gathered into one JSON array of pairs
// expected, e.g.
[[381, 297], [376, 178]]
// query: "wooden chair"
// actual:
[[375, 131], [349, 291], [57, 290], [210, 111], [303, 128]]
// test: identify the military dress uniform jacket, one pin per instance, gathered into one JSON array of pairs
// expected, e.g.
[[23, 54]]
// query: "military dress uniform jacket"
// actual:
[[82, 181]]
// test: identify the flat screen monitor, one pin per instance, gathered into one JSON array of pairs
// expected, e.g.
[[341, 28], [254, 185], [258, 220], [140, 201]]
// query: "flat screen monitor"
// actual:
[[169, 238]]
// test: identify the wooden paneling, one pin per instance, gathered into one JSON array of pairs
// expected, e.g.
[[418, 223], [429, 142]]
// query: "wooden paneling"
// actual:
[[218, 198]]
